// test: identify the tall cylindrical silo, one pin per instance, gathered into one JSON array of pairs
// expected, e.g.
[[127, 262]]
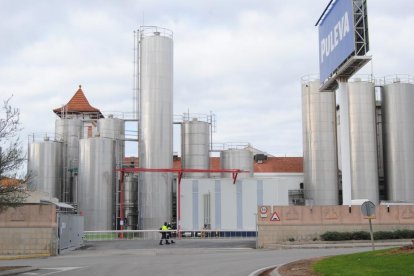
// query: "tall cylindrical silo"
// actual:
[[363, 140], [69, 131], [96, 182], [398, 131], [45, 167], [195, 147], [114, 128], [319, 144], [237, 159], [155, 125]]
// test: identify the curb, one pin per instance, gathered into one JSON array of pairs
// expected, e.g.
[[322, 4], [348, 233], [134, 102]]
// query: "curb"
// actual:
[[263, 269], [335, 245], [17, 270]]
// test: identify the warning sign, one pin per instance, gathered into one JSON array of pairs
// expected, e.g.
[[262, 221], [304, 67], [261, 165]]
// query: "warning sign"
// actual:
[[274, 217]]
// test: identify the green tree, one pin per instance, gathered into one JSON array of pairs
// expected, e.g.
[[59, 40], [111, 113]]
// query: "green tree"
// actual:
[[12, 158]]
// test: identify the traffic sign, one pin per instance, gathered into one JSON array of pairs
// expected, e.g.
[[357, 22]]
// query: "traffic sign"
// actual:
[[368, 209], [274, 217]]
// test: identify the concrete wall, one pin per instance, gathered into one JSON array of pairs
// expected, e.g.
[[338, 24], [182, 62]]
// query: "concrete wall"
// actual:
[[233, 206], [29, 229], [305, 223]]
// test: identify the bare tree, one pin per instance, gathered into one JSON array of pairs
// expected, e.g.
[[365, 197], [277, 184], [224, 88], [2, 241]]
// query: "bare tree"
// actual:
[[12, 158]]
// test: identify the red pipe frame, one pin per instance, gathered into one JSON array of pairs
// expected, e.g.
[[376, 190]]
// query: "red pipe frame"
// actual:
[[180, 172]]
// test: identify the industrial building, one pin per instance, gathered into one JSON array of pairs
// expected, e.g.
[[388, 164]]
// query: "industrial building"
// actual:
[[83, 163]]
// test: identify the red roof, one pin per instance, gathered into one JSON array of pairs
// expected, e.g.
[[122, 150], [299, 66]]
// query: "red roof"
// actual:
[[271, 165], [78, 104]]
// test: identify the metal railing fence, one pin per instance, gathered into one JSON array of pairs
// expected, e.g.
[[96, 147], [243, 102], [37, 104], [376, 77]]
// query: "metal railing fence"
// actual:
[[156, 234]]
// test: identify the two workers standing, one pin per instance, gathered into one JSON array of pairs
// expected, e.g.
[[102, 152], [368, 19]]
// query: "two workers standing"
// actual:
[[166, 233]]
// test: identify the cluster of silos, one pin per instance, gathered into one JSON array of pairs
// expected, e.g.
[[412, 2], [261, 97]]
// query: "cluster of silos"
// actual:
[[155, 125], [45, 167], [319, 144], [381, 140], [398, 136], [195, 147], [98, 186], [82, 170]]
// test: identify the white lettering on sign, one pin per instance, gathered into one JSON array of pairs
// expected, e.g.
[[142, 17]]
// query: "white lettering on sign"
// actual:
[[330, 42]]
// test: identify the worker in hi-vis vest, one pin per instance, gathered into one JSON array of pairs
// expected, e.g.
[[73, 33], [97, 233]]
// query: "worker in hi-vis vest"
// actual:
[[163, 232]]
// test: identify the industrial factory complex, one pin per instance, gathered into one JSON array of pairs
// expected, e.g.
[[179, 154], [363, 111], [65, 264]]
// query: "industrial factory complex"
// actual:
[[358, 145]]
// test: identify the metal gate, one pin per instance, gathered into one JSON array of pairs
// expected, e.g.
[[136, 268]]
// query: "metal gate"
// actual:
[[70, 231]]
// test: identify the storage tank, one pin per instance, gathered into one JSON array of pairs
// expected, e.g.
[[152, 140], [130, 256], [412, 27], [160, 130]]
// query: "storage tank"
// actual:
[[131, 201], [195, 147], [363, 140], [69, 131], [155, 125], [398, 130], [45, 167], [114, 128], [97, 182], [237, 159], [319, 144]]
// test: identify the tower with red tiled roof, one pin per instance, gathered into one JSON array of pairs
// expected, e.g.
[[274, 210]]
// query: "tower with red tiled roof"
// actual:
[[78, 106]]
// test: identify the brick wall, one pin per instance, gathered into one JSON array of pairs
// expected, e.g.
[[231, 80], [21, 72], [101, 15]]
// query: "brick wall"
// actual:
[[305, 223], [29, 229]]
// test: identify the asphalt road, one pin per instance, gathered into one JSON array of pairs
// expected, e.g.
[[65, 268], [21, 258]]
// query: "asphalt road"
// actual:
[[186, 257]]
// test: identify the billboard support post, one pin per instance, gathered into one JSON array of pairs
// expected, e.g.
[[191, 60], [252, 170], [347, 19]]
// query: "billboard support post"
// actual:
[[345, 142]]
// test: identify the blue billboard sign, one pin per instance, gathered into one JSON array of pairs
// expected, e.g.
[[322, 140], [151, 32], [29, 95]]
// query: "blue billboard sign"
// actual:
[[336, 37]]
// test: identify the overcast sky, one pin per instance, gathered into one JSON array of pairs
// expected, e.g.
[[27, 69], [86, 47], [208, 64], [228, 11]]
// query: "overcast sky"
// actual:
[[242, 60]]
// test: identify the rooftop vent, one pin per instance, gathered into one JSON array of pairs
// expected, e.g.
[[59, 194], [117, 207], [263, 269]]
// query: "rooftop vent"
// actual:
[[260, 158]]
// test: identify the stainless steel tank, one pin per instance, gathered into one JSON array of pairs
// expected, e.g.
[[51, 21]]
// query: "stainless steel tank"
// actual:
[[398, 130], [195, 147], [237, 159], [45, 167], [114, 128], [131, 201], [155, 125], [69, 131], [363, 140], [97, 182], [319, 144]]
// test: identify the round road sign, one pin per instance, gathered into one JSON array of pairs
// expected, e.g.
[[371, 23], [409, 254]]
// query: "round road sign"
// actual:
[[368, 208]]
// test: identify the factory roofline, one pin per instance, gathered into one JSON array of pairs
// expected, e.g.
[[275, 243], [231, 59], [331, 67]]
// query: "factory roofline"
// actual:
[[78, 104], [271, 165]]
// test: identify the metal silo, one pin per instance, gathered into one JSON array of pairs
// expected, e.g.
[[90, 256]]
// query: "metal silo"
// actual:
[[319, 144], [155, 125], [114, 128], [237, 159], [69, 131], [363, 140], [195, 147], [96, 182], [398, 130], [131, 201], [45, 167]]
